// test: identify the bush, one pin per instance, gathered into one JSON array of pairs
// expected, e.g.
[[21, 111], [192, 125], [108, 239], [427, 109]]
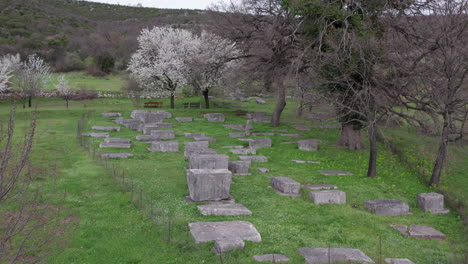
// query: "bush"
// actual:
[[95, 71], [105, 62], [84, 95]]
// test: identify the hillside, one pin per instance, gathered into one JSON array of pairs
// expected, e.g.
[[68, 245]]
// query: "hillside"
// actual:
[[67, 32]]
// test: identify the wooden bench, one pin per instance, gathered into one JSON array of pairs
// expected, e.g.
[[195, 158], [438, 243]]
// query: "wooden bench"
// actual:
[[153, 104], [192, 105]]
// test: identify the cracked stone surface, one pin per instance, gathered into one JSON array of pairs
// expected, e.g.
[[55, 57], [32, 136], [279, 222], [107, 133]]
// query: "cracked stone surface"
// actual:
[[218, 231], [214, 117], [387, 207], [328, 197], [224, 209], [286, 186], [327, 255], [210, 162], [209, 185], [420, 232], [239, 167]]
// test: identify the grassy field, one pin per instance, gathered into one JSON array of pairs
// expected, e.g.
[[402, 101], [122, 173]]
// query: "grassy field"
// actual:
[[112, 230]]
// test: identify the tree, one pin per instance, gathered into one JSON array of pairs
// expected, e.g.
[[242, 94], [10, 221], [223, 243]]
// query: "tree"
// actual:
[[429, 66], [64, 88], [33, 75], [8, 65], [160, 62], [213, 57]]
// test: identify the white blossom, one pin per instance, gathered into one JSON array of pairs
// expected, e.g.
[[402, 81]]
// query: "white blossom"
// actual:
[[33, 75], [8, 65]]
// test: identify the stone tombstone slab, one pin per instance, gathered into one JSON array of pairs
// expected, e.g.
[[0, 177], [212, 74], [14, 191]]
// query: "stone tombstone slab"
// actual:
[[257, 116], [420, 232], [335, 172], [192, 135], [432, 202], [275, 258], [308, 144], [248, 127], [233, 147], [286, 186], [320, 186], [237, 134], [164, 146], [162, 113], [133, 124], [256, 143], [106, 128], [398, 261], [243, 151], [184, 119], [224, 209], [265, 134], [117, 140], [114, 145], [387, 207], [225, 245], [163, 134], [306, 161], [217, 231], [209, 185], [197, 144], [214, 117], [328, 197], [290, 135], [115, 155], [147, 128], [303, 128], [332, 255], [110, 114], [239, 167], [254, 158], [263, 170], [188, 152], [210, 162], [235, 126], [204, 138], [136, 114], [279, 130], [147, 138], [96, 135]]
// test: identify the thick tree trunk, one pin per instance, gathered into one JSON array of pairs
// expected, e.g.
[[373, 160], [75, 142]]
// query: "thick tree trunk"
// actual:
[[350, 137], [300, 108], [30, 101], [372, 135], [441, 156], [172, 100], [281, 96], [207, 99]]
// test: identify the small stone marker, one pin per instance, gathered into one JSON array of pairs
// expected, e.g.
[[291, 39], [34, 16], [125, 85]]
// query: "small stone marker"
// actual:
[[290, 135], [105, 128], [210, 162], [260, 101], [306, 161], [264, 170], [188, 152], [197, 144], [335, 172], [147, 138], [146, 129], [117, 140], [164, 146], [214, 117], [218, 231], [432, 202], [115, 155], [308, 144], [275, 258], [225, 245], [286, 186], [235, 126], [303, 128], [224, 209], [239, 167], [110, 114], [184, 119], [243, 151], [237, 134], [192, 135], [209, 185], [133, 124], [420, 231], [209, 139], [398, 261], [96, 135], [163, 134], [332, 255], [265, 134], [320, 186], [254, 158], [328, 197], [114, 145], [260, 143], [387, 207]]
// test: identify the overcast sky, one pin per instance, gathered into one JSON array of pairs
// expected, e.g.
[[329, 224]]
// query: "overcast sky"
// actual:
[[190, 4]]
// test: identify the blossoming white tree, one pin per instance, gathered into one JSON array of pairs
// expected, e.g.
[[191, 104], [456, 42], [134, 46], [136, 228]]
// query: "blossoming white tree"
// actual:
[[214, 55], [33, 75], [64, 88], [8, 65], [160, 62]]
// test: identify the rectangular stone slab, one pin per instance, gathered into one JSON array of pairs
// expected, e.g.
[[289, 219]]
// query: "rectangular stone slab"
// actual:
[[214, 117], [110, 114], [237, 134], [235, 126], [106, 128], [285, 185], [290, 135], [209, 185], [192, 135], [432, 202], [225, 245], [260, 143], [420, 232], [265, 134], [335, 172], [115, 155], [164, 146], [147, 138], [209, 139], [117, 140], [217, 161], [96, 135], [239, 167], [188, 152], [387, 207], [213, 231], [247, 151], [328, 197], [197, 144], [254, 158], [320, 186], [163, 134], [308, 144], [306, 161], [398, 261], [224, 209], [114, 145], [332, 255], [184, 119]]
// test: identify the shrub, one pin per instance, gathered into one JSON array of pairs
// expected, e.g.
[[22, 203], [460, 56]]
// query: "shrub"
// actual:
[[84, 95]]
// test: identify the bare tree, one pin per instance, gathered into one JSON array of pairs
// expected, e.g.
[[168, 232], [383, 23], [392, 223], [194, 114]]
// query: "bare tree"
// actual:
[[33, 75], [429, 62], [64, 89]]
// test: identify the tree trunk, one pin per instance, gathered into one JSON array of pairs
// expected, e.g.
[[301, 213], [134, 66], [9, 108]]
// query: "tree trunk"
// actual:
[[281, 96], [300, 108], [350, 137], [207, 99], [66, 100], [30, 101], [372, 135], [172, 100], [441, 155]]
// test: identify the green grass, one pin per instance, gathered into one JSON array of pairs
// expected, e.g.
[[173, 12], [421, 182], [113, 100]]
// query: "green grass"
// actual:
[[111, 230]]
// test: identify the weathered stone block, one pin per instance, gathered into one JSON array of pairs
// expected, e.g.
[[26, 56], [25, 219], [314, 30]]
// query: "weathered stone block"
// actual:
[[209, 185], [248, 127], [164, 146], [306, 161], [111, 114], [105, 128], [136, 114], [235, 126], [214, 117], [96, 135], [256, 143], [114, 145], [303, 128], [309, 144], [332, 255], [432, 202], [264, 170], [184, 119], [117, 140], [239, 167], [216, 231], [192, 135], [237, 134], [275, 258], [209, 139], [398, 261], [188, 152], [290, 135], [420, 232], [320, 186], [224, 209], [147, 138], [328, 197], [147, 128], [265, 134], [197, 144], [115, 155], [257, 116], [286, 186], [211, 162], [225, 245], [254, 158], [335, 172], [247, 151], [387, 207], [163, 134]]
